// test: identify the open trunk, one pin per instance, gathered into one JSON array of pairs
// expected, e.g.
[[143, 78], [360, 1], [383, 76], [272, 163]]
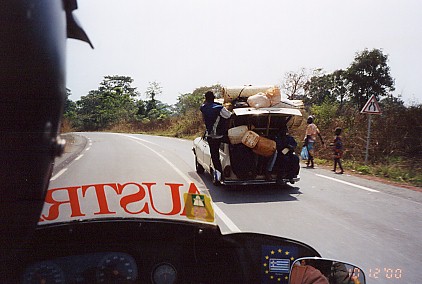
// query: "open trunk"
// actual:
[[243, 165]]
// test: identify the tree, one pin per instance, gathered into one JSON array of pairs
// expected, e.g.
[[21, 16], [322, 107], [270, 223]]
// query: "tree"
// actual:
[[340, 88], [318, 89], [113, 102], [369, 75], [141, 109], [190, 102], [326, 112], [69, 110], [119, 82], [294, 83], [154, 89], [152, 109]]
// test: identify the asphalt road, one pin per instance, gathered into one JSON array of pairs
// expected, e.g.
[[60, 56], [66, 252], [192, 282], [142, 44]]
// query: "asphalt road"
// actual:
[[373, 225]]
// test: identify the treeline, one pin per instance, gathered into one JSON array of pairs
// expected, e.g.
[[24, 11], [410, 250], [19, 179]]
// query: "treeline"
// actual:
[[116, 102], [335, 99]]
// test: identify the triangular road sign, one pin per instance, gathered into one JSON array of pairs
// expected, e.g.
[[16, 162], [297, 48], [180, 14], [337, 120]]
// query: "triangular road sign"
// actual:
[[371, 106]]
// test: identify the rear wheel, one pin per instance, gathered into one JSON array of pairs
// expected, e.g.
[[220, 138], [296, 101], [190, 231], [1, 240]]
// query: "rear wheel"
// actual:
[[198, 167]]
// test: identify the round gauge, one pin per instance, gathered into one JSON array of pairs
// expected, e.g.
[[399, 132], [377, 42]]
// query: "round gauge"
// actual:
[[44, 272], [164, 273], [116, 267]]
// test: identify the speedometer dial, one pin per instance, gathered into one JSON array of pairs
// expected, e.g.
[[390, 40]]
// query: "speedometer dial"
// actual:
[[164, 273], [117, 267], [44, 272]]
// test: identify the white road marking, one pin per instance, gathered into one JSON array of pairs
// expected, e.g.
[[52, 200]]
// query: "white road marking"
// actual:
[[59, 174], [226, 220], [348, 183], [87, 149], [65, 169]]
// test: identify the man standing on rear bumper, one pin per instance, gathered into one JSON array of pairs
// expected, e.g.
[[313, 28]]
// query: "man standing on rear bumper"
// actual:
[[214, 115]]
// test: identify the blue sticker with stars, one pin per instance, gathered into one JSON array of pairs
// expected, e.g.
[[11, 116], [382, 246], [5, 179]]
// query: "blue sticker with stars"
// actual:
[[276, 262]]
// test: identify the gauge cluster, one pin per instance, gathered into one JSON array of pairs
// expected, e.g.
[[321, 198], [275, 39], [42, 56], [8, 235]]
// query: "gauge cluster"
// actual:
[[115, 267], [107, 267]]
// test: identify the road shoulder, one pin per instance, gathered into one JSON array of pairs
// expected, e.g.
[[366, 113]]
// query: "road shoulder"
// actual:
[[75, 144], [371, 182]]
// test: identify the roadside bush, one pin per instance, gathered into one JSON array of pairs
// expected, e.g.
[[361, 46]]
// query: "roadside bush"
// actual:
[[364, 170], [66, 126], [188, 125], [325, 113]]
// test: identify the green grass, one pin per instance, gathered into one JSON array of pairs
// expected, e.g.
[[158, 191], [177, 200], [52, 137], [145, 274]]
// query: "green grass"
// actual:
[[399, 173]]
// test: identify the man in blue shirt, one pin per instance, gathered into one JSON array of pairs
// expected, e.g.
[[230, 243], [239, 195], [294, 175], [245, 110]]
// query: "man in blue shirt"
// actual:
[[214, 115]]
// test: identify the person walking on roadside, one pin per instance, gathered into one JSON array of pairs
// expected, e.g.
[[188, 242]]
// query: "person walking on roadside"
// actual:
[[214, 115], [338, 150], [310, 138]]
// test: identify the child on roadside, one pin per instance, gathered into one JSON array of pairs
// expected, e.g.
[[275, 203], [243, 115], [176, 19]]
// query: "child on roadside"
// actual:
[[338, 150]]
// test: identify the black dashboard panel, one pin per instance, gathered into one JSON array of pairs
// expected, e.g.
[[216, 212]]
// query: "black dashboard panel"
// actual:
[[144, 251]]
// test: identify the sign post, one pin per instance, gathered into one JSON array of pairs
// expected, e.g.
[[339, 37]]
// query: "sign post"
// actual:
[[371, 107]]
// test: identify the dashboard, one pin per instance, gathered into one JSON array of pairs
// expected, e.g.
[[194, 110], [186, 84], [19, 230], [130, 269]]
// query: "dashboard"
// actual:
[[123, 251]]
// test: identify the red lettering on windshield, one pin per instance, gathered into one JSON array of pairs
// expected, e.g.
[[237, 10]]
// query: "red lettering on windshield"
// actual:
[[175, 197], [114, 198], [101, 196], [193, 189], [73, 201], [132, 198]]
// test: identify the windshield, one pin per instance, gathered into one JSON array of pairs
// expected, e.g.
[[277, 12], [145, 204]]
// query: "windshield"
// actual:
[[138, 147]]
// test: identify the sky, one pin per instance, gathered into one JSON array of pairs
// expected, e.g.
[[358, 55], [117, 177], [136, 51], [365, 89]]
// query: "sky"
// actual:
[[186, 44]]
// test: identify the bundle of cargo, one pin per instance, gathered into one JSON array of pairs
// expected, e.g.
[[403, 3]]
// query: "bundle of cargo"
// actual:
[[267, 98], [258, 97], [250, 139], [260, 145], [274, 95], [265, 147], [264, 95], [238, 92], [259, 100], [236, 134]]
